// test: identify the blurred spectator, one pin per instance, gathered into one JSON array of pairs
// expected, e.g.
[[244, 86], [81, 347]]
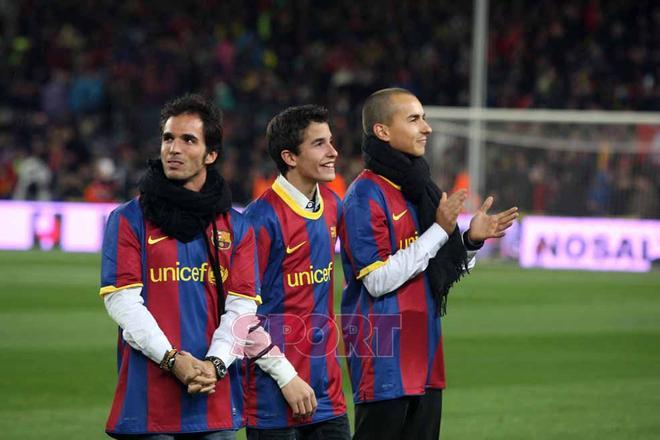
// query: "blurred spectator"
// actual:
[[33, 175], [92, 76], [103, 187]]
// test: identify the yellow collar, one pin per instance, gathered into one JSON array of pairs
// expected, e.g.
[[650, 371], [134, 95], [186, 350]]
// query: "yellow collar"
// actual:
[[281, 190], [389, 181]]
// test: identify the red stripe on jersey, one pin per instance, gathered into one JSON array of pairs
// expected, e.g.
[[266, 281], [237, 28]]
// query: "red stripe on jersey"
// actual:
[[250, 392], [164, 390], [128, 255], [120, 391], [263, 246], [411, 296], [413, 335], [437, 376], [219, 405], [219, 413], [242, 276]]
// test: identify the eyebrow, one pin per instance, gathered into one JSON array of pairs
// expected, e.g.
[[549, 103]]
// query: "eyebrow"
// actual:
[[417, 115], [184, 135]]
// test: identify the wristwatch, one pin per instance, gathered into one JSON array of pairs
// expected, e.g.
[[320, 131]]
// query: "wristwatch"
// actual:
[[167, 363], [220, 368]]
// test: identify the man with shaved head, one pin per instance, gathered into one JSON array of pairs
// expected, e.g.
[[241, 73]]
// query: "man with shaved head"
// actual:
[[402, 251]]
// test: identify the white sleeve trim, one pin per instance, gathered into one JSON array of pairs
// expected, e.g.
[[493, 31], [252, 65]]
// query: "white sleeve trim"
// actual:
[[277, 367], [139, 328], [229, 338], [406, 263]]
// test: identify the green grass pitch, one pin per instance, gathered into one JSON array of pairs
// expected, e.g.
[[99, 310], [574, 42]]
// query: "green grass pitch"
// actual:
[[530, 354]]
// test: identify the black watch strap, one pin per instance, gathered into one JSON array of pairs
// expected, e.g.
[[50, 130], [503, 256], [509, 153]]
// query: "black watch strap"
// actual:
[[469, 244], [220, 367]]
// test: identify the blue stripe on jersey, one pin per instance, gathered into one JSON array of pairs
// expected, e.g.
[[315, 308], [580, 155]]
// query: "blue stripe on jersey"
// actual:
[[363, 247], [131, 213], [133, 417], [434, 326], [270, 405], [136, 383], [236, 372], [261, 210], [110, 244], [387, 370], [320, 256], [193, 313]]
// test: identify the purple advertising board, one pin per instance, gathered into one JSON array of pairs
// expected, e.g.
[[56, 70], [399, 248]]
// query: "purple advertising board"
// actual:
[[72, 227], [545, 242], [589, 243]]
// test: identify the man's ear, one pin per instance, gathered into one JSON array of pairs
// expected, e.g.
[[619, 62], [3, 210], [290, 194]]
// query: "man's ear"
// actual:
[[381, 131], [289, 158], [210, 157]]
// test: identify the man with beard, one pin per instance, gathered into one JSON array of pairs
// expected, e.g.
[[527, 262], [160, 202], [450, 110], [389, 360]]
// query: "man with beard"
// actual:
[[179, 277], [401, 251]]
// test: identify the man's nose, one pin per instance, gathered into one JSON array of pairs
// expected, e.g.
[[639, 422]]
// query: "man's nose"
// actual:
[[175, 146], [426, 128]]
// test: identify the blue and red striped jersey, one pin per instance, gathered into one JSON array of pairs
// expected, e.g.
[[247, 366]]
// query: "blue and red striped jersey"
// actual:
[[178, 287], [296, 258], [393, 343]]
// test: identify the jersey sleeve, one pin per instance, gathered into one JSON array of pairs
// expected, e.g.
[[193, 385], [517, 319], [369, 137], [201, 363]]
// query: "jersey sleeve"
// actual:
[[364, 231], [256, 214], [121, 263], [243, 280]]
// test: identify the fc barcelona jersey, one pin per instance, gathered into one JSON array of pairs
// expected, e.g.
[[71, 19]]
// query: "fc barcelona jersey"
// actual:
[[296, 260], [393, 343], [179, 290]]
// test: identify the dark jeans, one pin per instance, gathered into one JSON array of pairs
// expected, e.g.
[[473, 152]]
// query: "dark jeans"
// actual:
[[409, 417], [333, 429]]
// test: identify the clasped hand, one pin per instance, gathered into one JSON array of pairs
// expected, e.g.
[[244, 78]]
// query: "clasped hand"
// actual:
[[197, 374]]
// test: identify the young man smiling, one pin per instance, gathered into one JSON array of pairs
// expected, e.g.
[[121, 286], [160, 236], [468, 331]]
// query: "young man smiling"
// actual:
[[401, 251], [295, 222]]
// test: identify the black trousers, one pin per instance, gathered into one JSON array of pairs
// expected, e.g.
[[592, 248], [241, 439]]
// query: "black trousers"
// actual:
[[333, 429], [409, 417]]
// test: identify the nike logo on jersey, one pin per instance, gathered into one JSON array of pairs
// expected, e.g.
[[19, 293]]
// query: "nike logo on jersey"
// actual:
[[396, 217], [290, 250], [155, 240]]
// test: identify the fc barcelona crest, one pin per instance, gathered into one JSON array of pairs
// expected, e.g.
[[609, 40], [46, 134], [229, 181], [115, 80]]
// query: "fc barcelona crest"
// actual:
[[224, 273], [223, 239]]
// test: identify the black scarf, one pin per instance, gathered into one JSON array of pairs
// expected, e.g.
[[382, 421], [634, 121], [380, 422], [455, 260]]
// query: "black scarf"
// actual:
[[414, 176], [182, 213]]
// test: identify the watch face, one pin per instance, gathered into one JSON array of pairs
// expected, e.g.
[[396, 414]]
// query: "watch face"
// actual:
[[220, 368]]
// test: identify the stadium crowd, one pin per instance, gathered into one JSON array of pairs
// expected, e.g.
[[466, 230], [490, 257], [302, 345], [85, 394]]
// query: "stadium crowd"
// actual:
[[83, 82]]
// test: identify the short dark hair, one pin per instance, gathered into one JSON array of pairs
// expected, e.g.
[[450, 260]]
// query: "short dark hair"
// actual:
[[286, 130], [208, 112], [376, 108]]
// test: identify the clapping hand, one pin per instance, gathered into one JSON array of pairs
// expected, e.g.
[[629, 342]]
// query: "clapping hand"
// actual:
[[447, 213], [484, 226]]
